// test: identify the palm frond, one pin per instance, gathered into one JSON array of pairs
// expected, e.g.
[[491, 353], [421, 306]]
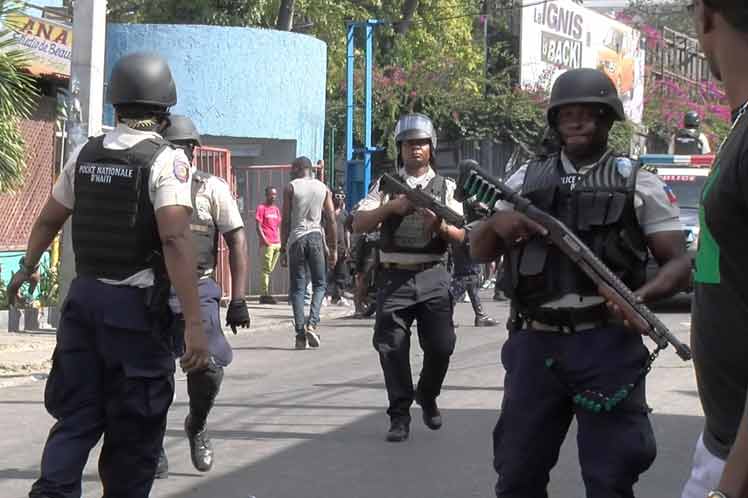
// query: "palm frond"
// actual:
[[18, 94]]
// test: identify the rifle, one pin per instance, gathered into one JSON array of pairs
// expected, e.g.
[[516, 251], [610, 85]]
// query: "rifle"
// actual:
[[474, 181], [392, 186]]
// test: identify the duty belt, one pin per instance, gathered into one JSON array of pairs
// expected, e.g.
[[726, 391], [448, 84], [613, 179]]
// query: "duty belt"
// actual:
[[566, 320], [411, 267]]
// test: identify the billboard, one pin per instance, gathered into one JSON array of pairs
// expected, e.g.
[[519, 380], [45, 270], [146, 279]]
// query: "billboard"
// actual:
[[49, 44], [558, 35]]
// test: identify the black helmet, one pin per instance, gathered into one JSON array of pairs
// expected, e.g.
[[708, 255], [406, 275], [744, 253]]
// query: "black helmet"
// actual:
[[413, 127], [691, 120], [181, 128], [584, 86], [142, 78]]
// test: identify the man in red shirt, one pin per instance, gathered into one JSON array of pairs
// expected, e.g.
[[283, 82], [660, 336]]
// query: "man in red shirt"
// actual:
[[268, 231]]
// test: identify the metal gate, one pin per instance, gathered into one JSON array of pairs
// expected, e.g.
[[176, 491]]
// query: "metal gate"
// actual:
[[218, 162], [251, 182]]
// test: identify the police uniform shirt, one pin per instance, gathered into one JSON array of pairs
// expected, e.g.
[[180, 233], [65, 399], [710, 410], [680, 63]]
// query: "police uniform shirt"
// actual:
[[169, 182], [376, 198], [215, 204], [655, 211]]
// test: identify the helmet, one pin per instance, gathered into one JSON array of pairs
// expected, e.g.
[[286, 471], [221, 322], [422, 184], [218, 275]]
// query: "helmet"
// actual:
[[413, 127], [691, 120], [584, 86], [181, 128], [142, 78]]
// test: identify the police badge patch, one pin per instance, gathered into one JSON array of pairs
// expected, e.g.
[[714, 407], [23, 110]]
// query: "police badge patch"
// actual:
[[181, 170], [624, 166]]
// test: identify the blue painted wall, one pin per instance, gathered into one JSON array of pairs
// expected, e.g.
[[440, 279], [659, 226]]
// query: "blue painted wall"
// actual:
[[238, 82]]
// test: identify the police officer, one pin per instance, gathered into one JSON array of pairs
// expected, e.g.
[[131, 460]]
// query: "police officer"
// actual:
[[113, 369], [689, 140], [466, 273], [413, 279], [215, 211], [566, 356]]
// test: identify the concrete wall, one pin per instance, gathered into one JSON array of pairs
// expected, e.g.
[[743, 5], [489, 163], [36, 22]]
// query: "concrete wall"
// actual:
[[238, 82]]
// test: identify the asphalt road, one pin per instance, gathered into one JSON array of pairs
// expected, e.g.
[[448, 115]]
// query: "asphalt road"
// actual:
[[292, 424]]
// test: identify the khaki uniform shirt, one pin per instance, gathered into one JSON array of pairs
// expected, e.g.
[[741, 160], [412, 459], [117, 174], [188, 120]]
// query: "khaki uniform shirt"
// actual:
[[169, 183], [215, 204], [376, 198]]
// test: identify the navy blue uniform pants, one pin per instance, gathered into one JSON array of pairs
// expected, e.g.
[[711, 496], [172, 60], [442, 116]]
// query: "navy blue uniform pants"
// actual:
[[404, 296], [112, 376], [614, 447]]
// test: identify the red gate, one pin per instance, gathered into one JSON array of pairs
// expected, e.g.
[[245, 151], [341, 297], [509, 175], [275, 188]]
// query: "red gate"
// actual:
[[218, 162]]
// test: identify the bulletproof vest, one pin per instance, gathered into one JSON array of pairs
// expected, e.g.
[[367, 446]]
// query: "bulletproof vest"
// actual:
[[687, 142], [114, 224], [204, 232], [406, 234], [599, 207]]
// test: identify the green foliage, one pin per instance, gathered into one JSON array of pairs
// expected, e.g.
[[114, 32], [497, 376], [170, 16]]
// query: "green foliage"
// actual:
[[17, 98], [48, 288], [621, 136], [3, 295]]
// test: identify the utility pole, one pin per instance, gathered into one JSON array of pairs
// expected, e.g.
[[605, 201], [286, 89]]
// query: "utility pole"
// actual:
[[87, 77]]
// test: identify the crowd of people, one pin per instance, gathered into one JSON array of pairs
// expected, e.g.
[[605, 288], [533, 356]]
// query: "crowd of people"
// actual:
[[141, 215]]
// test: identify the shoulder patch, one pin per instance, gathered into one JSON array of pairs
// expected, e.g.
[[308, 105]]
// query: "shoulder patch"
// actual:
[[181, 170]]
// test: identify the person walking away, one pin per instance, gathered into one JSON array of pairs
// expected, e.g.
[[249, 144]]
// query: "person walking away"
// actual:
[[305, 199], [413, 281], [268, 220], [214, 211], [338, 276], [128, 196], [566, 355]]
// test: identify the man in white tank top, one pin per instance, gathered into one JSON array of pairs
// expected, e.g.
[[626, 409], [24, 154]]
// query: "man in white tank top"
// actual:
[[304, 200]]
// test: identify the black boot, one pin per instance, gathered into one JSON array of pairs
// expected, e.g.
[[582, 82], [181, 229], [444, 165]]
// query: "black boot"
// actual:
[[432, 417], [162, 469], [201, 449], [399, 430]]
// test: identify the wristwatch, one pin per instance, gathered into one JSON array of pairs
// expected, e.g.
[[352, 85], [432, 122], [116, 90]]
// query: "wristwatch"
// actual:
[[26, 268], [715, 493]]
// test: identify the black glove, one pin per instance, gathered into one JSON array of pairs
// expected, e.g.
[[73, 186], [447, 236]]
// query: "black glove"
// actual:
[[237, 314]]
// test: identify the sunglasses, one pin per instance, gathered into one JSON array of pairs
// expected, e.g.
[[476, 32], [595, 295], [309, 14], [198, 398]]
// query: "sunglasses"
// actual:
[[339, 196]]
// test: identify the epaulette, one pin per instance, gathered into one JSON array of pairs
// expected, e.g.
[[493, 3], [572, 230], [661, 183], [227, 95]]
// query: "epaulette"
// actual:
[[651, 168]]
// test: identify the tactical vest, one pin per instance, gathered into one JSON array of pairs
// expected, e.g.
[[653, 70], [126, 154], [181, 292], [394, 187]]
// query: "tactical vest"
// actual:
[[204, 232], [114, 223], [599, 207], [687, 142], [405, 233]]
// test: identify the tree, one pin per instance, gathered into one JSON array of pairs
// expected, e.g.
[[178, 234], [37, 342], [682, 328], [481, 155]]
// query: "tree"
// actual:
[[17, 99], [285, 15]]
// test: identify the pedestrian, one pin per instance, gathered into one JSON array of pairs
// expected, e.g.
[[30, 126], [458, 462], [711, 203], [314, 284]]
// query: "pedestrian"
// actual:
[[337, 277], [720, 302], [466, 274], [268, 220], [305, 199], [214, 211], [128, 194], [566, 356], [413, 282]]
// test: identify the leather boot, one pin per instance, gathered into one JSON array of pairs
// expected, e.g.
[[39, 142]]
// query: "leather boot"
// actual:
[[201, 449], [399, 430]]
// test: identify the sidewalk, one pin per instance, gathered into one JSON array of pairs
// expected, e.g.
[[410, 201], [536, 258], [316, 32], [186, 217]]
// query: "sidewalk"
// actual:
[[26, 356]]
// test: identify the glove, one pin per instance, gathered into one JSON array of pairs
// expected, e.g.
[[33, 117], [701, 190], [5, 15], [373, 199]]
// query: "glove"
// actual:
[[237, 314]]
